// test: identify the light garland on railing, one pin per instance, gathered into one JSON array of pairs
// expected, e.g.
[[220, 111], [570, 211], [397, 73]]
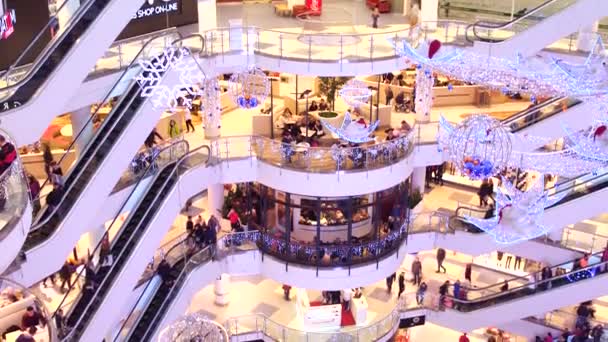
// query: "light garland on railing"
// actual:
[[536, 75], [355, 93], [249, 88], [517, 216], [194, 327]]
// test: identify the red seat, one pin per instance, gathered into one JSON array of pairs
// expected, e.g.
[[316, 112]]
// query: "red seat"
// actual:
[[299, 9]]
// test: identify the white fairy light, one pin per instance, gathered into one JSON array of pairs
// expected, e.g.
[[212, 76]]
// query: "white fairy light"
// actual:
[[517, 216], [194, 327], [352, 131], [355, 93], [249, 88]]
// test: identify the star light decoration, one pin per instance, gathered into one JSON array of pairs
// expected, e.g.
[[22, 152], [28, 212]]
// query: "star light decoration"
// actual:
[[355, 93], [193, 83], [537, 75], [352, 131], [518, 214], [194, 327], [249, 88]]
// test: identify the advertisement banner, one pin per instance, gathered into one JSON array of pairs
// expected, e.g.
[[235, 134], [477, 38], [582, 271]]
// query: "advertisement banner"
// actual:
[[314, 5], [152, 8], [7, 24]]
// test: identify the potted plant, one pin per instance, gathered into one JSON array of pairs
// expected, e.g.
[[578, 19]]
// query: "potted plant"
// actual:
[[414, 199], [329, 86]]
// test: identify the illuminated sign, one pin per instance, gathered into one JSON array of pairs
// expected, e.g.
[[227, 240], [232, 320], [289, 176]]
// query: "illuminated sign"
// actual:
[[157, 7], [7, 24]]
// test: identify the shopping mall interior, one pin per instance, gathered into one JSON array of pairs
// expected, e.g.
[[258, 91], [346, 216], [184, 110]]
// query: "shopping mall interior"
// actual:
[[303, 170]]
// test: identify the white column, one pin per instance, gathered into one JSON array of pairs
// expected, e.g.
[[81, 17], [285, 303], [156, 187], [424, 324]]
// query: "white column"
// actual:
[[424, 95], [428, 13], [80, 119], [418, 179], [207, 15], [587, 37], [215, 198]]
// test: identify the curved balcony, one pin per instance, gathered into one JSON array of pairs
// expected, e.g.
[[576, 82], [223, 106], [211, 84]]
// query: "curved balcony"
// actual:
[[330, 171], [16, 210]]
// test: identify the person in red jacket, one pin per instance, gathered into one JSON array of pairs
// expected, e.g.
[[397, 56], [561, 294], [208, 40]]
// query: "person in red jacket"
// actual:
[[7, 154], [463, 338]]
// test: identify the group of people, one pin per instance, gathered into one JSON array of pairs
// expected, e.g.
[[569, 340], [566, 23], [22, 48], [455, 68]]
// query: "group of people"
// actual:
[[201, 233], [434, 174]]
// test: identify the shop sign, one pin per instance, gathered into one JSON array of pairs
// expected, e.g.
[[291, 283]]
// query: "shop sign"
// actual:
[[157, 7], [7, 24]]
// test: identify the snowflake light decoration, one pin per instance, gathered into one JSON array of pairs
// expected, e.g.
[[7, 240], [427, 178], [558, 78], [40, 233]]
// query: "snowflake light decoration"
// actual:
[[211, 104], [355, 93], [479, 146], [153, 71], [194, 328], [249, 88], [352, 131], [517, 216]]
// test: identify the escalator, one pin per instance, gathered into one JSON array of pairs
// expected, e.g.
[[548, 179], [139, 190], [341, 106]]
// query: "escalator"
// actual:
[[138, 236], [98, 169], [528, 295], [61, 66], [535, 29]]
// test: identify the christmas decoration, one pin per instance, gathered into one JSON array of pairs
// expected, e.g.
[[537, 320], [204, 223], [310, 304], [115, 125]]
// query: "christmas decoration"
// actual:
[[249, 88], [517, 215], [355, 93], [194, 327], [352, 131]]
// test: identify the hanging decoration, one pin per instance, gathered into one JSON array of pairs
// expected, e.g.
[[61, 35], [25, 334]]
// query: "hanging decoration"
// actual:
[[355, 93], [210, 103], [180, 94], [194, 327], [538, 75], [352, 131], [590, 144], [479, 146], [249, 88], [517, 215]]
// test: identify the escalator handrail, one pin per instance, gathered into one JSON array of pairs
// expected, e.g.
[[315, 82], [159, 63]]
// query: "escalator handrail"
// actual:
[[540, 117], [532, 109], [573, 185], [500, 26], [176, 166], [82, 9], [148, 283], [120, 211], [529, 285], [42, 220]]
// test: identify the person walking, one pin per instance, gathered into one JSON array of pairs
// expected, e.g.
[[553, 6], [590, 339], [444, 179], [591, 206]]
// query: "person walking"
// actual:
[[463, 338], [417, 271], [440, 259], [286, 291], [467, 273], [420, 293], [173, 131], [389, 95], [401, 283], [188, 118], [375, 16], [389, 282]]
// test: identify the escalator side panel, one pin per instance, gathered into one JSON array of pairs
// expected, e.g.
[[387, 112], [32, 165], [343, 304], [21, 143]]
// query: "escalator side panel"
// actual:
[[27, 122], [75, 223]]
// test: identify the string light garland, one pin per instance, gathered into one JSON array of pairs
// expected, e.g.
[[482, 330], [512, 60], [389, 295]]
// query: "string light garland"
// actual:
[[249, 88], [355, 93], [211, 104], [352, 131]]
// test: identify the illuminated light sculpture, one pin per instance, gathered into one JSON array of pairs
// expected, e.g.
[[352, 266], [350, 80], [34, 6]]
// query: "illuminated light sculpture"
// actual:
[[153, 70], [537, 75], [517, 215], [355, 93], [249, 88], [479, 146], [211, 104], [194, 328], [591, 144], [352, 131]]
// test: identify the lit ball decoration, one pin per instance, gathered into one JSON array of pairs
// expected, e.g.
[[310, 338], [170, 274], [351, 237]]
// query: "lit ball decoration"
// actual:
[[249, 88], [479, 147], [194, 328], [355, 93]]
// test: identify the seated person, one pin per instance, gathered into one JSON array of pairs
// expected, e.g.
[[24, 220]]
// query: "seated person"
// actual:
[[405, 127], [284, 119], [313, 107], [318, 127], [323, 105], [28, 335]]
